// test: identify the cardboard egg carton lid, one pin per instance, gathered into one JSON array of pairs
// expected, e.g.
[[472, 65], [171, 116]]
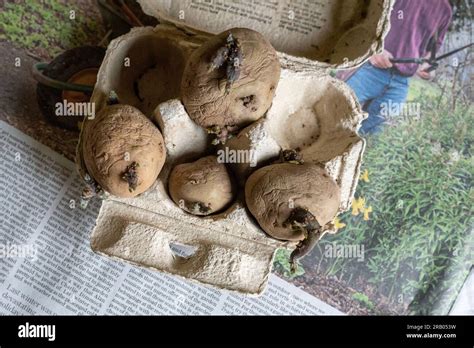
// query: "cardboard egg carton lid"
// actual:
[[308, 34]]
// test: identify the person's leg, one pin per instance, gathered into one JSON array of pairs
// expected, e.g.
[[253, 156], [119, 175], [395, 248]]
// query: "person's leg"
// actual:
[[369, 83], [395, 94]]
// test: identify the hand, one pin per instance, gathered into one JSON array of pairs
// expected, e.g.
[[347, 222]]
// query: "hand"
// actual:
[[382, 60], [425, 75]]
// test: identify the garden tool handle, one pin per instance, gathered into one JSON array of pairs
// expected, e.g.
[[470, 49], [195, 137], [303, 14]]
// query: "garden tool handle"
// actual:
[[38, 75]]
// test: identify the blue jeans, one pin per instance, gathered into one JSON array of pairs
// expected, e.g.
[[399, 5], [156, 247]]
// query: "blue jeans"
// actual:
[[376, 88]]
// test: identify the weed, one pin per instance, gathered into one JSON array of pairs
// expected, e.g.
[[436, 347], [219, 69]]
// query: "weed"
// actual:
[[46, 27], [364, 300], [283, 265]]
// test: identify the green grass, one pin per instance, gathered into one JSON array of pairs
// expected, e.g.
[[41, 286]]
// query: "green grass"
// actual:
[[45, 27]]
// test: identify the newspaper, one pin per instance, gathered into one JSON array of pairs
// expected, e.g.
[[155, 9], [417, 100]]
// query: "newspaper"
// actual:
[[47, 266], [297, 19]]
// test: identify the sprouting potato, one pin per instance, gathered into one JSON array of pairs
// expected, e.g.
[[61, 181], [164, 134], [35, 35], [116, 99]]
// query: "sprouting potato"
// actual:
[[202, 187], [123, 150], [230, 81], [293, 202]]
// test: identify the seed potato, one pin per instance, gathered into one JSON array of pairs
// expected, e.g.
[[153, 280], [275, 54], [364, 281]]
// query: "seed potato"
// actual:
[[230, 80], [202, 187], [273, 192], [123, 150]]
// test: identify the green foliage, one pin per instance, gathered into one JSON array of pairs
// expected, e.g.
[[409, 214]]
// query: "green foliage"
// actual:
[[46, 25], [421, 89], [364, 300], [283, 266], [418, 241]]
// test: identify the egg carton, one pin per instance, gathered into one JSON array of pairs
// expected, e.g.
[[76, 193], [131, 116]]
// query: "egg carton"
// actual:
[[311, 111]]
